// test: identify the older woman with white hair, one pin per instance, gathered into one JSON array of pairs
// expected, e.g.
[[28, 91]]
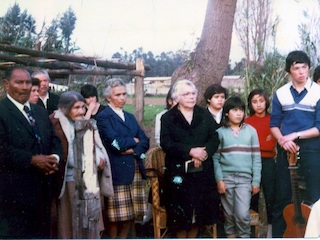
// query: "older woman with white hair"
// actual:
[[189, 139], [71, 109], [126, 144]]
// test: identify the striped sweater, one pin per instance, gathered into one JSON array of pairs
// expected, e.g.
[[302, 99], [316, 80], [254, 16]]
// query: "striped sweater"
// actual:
[[238, 154]]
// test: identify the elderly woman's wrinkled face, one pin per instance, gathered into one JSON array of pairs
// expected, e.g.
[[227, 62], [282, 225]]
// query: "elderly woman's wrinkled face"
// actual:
[[77, 111], [118, 97], [187, 97]]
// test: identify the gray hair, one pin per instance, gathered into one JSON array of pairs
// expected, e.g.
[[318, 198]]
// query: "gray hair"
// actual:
[[68, 99], [41, 71], [179, 86], [112, 83]]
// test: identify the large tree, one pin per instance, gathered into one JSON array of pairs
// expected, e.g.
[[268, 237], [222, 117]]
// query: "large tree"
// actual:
[[210, 59]]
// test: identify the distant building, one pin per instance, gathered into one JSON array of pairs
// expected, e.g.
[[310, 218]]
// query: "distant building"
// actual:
[[161, 85], [233, 82], [57, 88]]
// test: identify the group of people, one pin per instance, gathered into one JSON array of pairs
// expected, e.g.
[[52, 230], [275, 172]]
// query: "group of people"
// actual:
[[38, 159], [216, 157], [219, 156]]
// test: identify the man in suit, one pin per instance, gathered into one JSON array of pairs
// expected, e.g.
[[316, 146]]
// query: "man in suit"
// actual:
[[47, 99], [29, 156]]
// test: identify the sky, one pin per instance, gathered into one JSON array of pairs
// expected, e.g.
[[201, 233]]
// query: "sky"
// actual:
[[104, 27]]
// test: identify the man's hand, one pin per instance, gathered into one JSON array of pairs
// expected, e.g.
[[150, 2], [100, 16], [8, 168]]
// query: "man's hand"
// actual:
[[45, 163]]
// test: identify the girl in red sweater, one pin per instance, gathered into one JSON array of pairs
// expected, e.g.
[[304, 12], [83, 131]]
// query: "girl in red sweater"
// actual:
[[258, 104]]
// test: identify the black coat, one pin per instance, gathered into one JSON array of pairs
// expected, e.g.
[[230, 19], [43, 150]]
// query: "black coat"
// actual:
[[24, 190], [52, 102], [187, 191]]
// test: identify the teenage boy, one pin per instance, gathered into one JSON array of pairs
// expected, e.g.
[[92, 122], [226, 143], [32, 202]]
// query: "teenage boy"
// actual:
[[215, 96], [295, 123]]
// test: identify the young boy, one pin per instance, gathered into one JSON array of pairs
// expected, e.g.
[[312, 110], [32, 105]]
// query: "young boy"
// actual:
[[215, 96], [237, 168]]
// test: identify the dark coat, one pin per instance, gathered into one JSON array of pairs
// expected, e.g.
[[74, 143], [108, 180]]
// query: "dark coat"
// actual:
[[24, 190], [118, 136], [52, 102], [187, 191]]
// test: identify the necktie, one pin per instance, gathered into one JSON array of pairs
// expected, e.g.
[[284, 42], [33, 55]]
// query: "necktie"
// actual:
[[34, 127]]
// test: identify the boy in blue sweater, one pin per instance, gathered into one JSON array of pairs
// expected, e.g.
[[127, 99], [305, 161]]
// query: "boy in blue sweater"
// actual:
[[237, 167]]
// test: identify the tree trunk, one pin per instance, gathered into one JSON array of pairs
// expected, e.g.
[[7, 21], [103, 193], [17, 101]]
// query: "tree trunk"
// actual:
[[210, 59]]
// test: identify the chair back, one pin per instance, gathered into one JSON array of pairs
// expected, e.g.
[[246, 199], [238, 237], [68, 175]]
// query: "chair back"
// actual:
[[155, 162]]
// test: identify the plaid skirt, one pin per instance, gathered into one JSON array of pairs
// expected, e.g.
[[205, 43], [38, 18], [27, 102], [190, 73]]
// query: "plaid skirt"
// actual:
[[129, 201]]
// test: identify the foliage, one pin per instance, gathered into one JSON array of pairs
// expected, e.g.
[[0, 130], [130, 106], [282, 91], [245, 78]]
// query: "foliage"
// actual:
[[18, 28], [269, 77], [57, 37], [161, 65], [67, 25], [52, 42], [253, 27], [310, 35]]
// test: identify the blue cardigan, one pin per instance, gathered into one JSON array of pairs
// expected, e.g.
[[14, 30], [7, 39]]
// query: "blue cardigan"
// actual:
[[118, 136]]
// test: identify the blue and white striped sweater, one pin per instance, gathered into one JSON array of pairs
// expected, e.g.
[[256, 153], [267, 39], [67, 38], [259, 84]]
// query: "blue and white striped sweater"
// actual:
[[238, 154]]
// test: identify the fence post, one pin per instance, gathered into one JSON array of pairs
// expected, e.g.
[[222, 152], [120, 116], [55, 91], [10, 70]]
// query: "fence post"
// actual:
[[139, 92]]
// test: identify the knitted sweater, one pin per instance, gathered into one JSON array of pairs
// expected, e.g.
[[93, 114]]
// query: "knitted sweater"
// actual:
[[266, 140], [238, 154]]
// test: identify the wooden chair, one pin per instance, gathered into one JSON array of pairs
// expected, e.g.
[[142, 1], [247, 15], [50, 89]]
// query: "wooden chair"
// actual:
[[255, 222], [156, 161], [154, 167]]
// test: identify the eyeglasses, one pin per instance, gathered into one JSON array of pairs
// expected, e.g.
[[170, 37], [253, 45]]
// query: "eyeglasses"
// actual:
[[188, 94]]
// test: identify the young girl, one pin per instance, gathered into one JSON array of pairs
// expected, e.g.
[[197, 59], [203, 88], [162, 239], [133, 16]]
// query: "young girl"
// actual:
[[237, 167], [258, 104]]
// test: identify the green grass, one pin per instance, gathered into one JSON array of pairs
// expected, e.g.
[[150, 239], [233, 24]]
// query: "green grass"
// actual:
[[150, 112]]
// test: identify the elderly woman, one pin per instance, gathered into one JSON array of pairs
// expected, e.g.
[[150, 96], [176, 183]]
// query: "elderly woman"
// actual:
[[71, 108], [126, 144], [189, 139]]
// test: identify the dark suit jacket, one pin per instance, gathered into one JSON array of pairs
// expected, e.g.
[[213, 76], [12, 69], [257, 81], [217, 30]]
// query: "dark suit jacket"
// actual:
[[117, 136], [24, 191], [52, 102]]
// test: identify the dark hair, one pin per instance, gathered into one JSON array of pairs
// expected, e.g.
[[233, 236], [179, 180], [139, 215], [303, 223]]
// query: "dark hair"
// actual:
[[316, 74], [9, 71], [68, 99], [214, 89], [89, 90], [35, 82], [231, 103], [260, 92], [296, 57], [168, 99]]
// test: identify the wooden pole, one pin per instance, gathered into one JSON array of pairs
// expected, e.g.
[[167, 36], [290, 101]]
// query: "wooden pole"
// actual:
[[86, 204], [69, 58], [139, 92]]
